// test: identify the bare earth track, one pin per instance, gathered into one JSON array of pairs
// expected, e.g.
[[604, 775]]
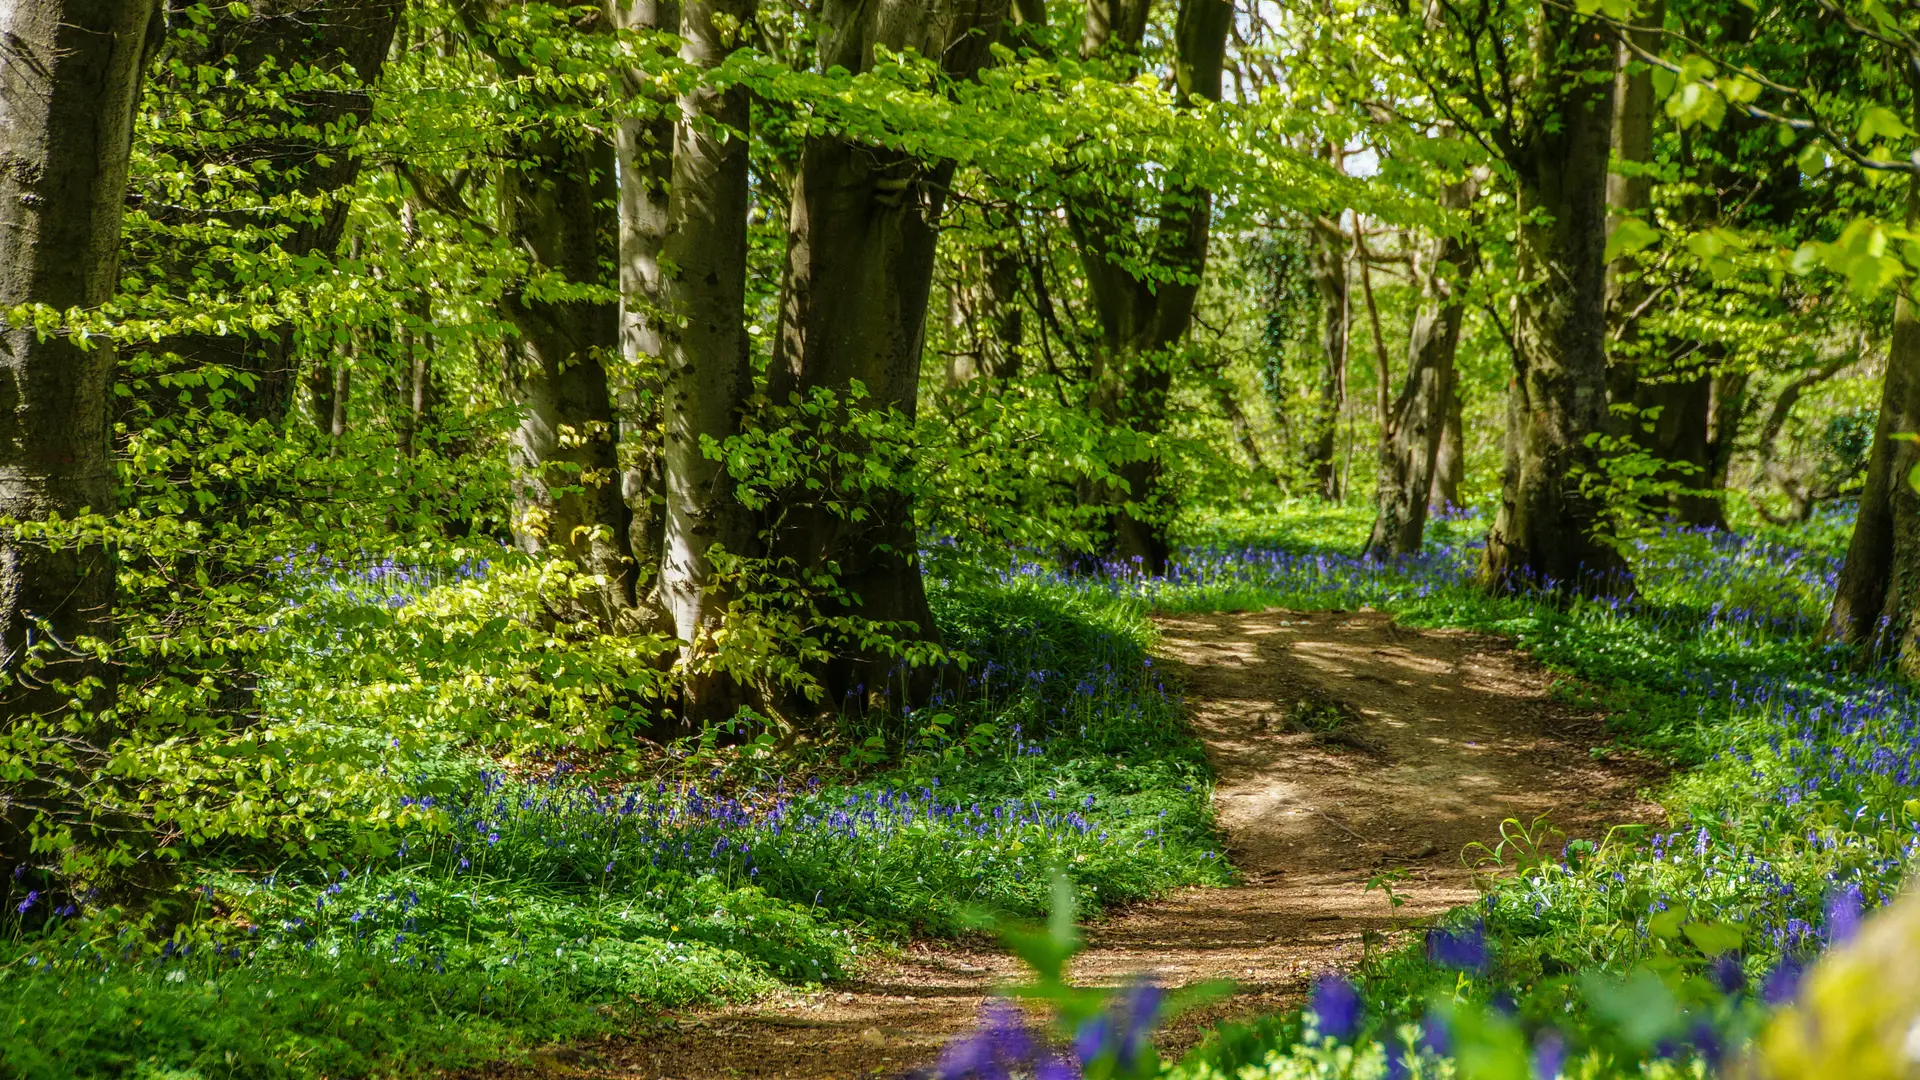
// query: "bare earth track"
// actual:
[[1344, 745]]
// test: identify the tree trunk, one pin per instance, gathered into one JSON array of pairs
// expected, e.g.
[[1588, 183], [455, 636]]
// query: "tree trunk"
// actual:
[[1328, 254], [1630, 197], [556, 198], [1003, 273], [566, 464], [643, 146], [1450, 461], [68, 92], [1727, 406], [1879, 589], [860, 251], [1546, 533], [1678, 408], [1141, 320], [1410, 441], [708, 372]]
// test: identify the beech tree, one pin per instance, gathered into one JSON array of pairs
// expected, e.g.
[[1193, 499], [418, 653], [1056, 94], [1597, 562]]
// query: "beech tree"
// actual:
[[1143, 316], [557, 207], [1550, 123], [291, 153], [70, 89], [709, 376], [1410, 447]]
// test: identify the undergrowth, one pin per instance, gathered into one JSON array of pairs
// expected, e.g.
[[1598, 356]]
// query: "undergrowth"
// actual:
[[519, 905]]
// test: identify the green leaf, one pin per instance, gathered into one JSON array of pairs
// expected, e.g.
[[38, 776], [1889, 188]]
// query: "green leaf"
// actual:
[[1667, 923], [1880, 122], [1629, 236], [1641, 1010], [1713, 938]]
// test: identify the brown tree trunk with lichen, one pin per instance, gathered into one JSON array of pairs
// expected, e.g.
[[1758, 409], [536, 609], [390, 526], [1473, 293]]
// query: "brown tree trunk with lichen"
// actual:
[[1548, 529], [1410, 448], [860, 251]]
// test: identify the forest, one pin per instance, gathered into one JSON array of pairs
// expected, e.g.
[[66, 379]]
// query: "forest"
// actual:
[[962, 539]]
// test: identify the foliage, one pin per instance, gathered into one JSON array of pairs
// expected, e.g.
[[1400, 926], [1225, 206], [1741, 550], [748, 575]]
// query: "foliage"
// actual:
[[500, 903]]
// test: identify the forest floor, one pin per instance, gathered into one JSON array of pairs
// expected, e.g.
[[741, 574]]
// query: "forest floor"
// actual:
[[1346, 748]]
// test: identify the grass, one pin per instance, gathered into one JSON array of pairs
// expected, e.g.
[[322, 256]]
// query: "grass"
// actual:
[[514, 908]]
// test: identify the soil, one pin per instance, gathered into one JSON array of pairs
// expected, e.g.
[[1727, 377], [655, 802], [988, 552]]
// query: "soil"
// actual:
[[1346, 748]]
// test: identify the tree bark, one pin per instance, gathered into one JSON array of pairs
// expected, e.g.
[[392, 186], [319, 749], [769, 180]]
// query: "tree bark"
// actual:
[[860, 251], [1630, 197], [643, 147], [566, 464], [1547, 531], [1410, 441], [1878, 593], [1328, 255], [557, 196], [1450, 461], [708, 373], [69, 88], [1141, 320]]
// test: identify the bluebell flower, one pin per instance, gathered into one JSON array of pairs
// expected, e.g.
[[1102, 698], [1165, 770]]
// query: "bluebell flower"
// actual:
[[1706, 1041], [1843, 914], [1336, 1007], [1091, 1038], [1435, 1036], [1549, 1053], [1782, 983], [1727, 973], [1465, 950], [33, 896]]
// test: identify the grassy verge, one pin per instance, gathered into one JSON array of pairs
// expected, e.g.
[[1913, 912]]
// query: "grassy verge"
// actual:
[[517, 907]]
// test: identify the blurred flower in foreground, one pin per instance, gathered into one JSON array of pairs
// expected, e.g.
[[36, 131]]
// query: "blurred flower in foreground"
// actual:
[[1000, 1047], [1857, 1011], [1336, 1007]]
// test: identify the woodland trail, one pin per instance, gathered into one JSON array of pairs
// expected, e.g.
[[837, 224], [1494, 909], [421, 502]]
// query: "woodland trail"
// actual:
[[1344, 745]]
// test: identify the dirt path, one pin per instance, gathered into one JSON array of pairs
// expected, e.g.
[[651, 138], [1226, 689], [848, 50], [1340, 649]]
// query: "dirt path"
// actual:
[[1344, 746]]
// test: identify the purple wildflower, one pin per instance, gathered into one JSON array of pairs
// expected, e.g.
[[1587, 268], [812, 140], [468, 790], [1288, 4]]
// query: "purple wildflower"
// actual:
[[1843, 914], [1727, 973], [1782, 983], [1336, 1007], [1549, 1053], [1465, 950]]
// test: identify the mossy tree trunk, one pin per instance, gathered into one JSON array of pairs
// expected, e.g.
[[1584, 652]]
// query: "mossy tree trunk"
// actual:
[[1548, 529], [1410, 448], [861, 240]]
